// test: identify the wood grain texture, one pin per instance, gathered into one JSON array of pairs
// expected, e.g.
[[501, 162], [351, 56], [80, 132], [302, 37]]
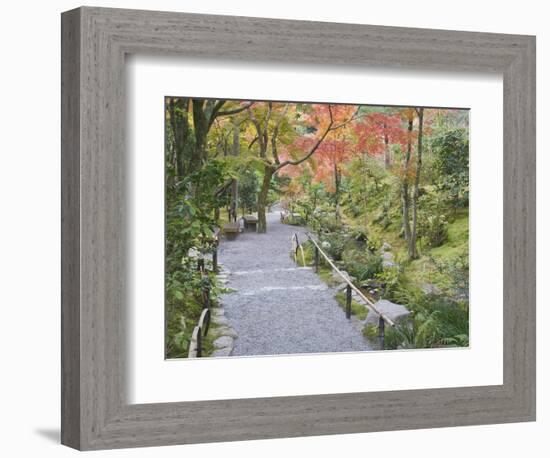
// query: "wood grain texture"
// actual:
[[95, 413], [70, 229]]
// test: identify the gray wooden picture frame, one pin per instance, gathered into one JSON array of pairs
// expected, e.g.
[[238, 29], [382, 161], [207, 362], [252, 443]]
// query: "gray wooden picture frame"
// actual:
[[95, 413]]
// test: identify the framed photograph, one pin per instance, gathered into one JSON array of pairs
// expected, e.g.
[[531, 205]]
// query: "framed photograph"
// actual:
[[285, 228]]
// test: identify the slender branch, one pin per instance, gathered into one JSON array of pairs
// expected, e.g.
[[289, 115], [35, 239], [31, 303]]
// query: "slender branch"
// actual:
[[353, 117], [266, 124], [236, 110], [224, 187], [252, 142], [259, 130], [317, 144], [217, 113], [217, 107], [276, 134]]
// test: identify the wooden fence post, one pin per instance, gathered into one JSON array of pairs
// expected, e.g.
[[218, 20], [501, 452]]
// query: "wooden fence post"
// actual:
[[206, 324], [199, 343], [381, 332], [348, 302], [206, 296], [215, 259], [316, 260]]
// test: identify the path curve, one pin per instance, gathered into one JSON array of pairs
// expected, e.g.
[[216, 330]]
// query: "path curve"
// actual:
[[279, 308]]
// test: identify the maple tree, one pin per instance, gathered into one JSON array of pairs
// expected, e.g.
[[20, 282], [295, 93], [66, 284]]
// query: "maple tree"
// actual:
[[332, 153], [280, 145]]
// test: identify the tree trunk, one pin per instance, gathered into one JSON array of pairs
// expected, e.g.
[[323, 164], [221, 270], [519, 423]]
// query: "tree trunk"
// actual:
[[262, 199], [178, 108], [235, 184], [387, 157], [406, 209], [405, 197], [365, 193], [337, 192], [200, 124], [413, 254]]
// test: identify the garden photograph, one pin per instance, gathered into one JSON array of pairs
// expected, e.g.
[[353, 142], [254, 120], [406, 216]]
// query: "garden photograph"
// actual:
[[304, 227]]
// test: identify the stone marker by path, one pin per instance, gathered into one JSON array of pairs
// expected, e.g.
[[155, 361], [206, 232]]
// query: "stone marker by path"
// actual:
[[396, 312]]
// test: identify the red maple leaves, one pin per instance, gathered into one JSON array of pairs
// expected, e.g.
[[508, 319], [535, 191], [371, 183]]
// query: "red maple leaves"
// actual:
[[371, 131]]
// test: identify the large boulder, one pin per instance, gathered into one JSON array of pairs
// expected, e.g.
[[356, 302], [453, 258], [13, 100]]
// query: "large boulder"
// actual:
[[223, 342], [387, 256], [388, 260], [222, 352], [221, 320], [224, 331], [428, 288], [337, 279], [396, 312]]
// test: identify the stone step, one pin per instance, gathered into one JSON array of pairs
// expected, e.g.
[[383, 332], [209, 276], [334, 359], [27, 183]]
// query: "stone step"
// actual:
[[271, 289], [264, 271]]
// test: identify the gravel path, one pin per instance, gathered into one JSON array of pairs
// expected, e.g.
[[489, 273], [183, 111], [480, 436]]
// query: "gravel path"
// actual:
[[280, 308]]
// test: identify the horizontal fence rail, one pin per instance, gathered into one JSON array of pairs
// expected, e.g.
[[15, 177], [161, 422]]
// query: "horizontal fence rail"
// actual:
[[344, 277], [383, 319]]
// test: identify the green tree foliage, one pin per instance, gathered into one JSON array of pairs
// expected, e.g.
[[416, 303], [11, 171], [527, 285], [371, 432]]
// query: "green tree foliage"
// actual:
[[248, 190], [189, 229], [451, 150]]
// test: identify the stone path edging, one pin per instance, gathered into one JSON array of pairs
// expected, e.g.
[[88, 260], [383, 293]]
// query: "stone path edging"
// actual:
[[222, 330]]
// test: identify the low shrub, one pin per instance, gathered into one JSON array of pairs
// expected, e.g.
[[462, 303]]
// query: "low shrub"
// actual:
[[383, 217], [433, 222], [359, 233], [294, 220], [333, 244], [324, 222], [363, 265], [437, 322], [433, 229], [454, 276], [374, 243], [391, 278]]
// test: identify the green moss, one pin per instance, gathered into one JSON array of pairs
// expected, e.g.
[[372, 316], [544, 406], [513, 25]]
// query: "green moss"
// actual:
[[423, 270], [357, 309], [325, 273], [370, 331], [458, 239]]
